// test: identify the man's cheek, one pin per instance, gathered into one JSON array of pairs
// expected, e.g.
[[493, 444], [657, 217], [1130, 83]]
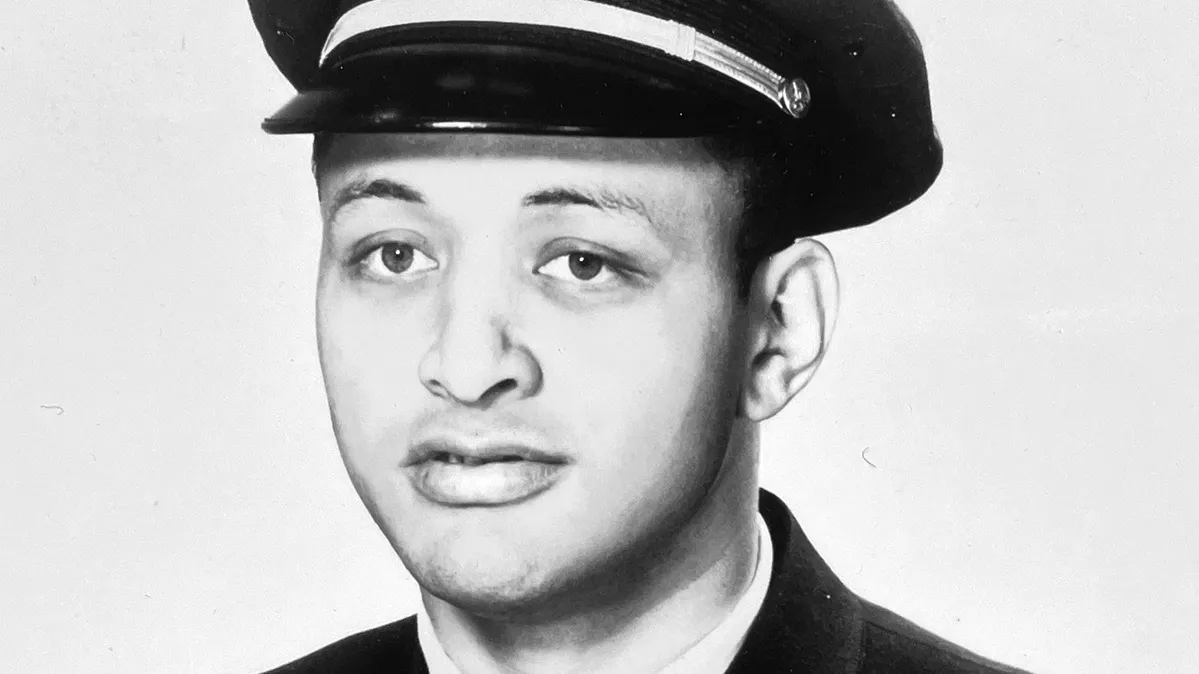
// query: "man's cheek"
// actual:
[[372, 379]]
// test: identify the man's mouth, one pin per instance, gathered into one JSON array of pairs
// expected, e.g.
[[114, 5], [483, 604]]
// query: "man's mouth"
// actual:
[[460, 475], [478, 452], [459, 459]]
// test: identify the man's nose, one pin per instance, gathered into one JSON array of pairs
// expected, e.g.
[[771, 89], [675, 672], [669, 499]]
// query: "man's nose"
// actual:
[[477, 358]]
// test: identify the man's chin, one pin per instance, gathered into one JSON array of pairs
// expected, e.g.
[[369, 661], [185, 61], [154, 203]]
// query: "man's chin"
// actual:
[[491, 591]]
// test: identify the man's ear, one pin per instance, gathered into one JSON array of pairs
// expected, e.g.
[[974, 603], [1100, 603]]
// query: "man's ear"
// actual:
[[793, 307]]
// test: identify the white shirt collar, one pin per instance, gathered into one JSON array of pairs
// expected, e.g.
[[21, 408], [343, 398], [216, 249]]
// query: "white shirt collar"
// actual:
[[711, 655]]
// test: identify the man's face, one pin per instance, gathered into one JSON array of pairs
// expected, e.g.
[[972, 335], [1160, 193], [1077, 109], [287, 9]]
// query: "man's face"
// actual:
[[532, 350]]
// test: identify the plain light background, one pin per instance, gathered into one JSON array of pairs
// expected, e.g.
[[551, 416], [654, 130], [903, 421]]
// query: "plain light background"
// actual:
[[1001, 445]]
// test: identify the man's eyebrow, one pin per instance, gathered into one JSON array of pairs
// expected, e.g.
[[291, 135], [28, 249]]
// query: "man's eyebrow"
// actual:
[[600, 199], [381, 188]]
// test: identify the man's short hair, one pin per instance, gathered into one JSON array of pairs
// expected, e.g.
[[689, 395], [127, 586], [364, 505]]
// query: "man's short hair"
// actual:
[[766, 200]]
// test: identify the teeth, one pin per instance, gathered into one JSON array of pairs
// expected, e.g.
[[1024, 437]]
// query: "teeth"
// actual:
[[460, 460]]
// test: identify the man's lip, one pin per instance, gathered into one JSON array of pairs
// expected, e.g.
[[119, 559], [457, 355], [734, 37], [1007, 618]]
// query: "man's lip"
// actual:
[[485, 451]]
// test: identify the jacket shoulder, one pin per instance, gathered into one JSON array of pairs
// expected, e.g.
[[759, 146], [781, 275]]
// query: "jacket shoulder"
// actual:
[[390, 648], [895, 645]]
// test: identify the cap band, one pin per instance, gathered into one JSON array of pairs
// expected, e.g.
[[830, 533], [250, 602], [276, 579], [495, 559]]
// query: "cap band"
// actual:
[[678, 40]]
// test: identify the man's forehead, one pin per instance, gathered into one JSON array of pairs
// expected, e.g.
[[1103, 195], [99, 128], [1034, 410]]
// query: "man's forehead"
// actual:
[[671, 184], [660, 172]]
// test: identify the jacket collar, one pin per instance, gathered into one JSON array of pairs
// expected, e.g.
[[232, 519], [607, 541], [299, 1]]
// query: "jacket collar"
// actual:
[[810, 622]]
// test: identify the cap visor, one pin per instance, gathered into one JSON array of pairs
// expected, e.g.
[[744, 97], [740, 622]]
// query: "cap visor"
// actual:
[[528, 82]]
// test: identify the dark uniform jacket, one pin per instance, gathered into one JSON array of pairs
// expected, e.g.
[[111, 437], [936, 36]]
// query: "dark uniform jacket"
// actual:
[[809, 624]]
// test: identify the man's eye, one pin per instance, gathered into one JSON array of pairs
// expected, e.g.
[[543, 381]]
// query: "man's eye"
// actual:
[[396, 259], [578, 266]]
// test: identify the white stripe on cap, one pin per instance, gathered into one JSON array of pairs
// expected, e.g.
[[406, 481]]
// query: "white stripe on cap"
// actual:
[[682, 42]]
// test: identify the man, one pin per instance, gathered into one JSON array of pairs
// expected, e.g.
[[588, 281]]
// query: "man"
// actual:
[[565, 275]]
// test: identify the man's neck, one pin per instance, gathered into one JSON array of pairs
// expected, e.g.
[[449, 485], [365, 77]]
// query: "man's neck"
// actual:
[[679, 601]]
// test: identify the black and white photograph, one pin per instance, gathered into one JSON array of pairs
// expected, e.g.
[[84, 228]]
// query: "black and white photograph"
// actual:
[[600, 336]]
